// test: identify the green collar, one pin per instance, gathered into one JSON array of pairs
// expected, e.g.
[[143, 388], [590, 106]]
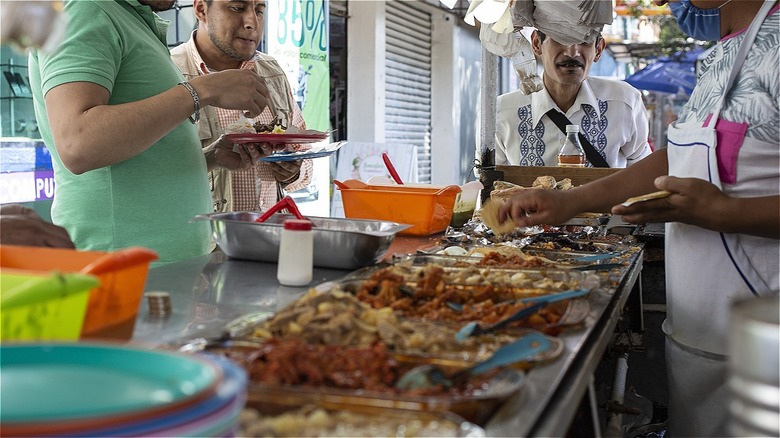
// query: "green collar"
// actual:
[[157, 25]]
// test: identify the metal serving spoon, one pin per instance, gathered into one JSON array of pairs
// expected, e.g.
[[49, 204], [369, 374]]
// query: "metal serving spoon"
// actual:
[[428, 376]]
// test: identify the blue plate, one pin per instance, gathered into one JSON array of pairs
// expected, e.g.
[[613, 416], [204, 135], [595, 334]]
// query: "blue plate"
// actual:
[[315, 152], [293, 156], [73, 382], [201, 419]]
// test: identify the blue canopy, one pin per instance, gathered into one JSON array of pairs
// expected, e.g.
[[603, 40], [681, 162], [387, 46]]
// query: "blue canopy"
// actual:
[[674, 74]]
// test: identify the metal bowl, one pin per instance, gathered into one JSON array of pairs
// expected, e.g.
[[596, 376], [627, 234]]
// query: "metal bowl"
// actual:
[[338, 243]]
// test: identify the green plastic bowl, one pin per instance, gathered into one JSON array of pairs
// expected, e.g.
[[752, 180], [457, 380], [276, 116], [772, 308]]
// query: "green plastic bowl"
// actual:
[[43, 307]]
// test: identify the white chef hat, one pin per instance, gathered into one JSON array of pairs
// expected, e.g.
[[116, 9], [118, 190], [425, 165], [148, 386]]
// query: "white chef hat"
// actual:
[[567, 22]]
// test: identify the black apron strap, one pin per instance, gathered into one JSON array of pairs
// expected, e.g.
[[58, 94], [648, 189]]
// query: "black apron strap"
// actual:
[[593, 156]]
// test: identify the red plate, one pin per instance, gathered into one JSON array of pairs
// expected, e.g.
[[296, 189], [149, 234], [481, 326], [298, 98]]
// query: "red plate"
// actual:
[[296, 138]]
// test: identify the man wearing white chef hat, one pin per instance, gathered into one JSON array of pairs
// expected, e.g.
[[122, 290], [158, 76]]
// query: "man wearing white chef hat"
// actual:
[[530, 122], [227, 37], [611, 114]]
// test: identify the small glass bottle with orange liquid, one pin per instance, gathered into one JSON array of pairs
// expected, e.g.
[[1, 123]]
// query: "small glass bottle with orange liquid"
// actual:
[[571, 153]]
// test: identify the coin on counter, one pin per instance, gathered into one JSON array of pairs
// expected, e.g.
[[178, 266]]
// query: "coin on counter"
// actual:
[[159, 303]]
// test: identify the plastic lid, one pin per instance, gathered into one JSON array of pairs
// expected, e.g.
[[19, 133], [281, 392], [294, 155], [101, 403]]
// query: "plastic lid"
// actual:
[[297, 225], [572, 128]]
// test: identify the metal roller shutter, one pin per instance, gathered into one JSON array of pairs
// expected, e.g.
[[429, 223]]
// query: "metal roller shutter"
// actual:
[[408, 81]]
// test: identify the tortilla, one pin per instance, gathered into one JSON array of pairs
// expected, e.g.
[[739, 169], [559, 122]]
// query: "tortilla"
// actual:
[[490, 218], [655, 195]]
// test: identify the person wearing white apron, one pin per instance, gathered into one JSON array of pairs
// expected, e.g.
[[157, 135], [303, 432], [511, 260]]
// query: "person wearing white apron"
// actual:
[[707, 271], [722, 167]]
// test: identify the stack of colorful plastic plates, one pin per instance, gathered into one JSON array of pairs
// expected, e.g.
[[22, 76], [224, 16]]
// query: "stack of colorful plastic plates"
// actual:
[[107, 390]]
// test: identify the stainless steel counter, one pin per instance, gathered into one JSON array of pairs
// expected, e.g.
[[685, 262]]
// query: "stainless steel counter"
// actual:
[[549, 402], [209, 292]]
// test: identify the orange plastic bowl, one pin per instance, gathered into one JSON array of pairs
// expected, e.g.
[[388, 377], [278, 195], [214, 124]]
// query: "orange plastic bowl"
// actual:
[[427, 208], [114, 303]]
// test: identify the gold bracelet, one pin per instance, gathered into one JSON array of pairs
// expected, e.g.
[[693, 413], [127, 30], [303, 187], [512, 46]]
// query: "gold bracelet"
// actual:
[[195, 117]]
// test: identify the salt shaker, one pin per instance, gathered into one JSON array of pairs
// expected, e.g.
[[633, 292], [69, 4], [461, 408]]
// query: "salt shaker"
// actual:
[[296, 253]]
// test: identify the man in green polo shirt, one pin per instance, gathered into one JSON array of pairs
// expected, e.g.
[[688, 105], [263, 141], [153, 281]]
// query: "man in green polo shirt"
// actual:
[[112, 109]]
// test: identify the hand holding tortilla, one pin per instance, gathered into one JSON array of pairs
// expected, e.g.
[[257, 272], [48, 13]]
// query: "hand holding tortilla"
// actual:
[[490, 218], [655, 195]]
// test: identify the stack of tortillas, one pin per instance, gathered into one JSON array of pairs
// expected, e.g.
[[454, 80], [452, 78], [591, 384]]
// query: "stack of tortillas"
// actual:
[[490, 218]]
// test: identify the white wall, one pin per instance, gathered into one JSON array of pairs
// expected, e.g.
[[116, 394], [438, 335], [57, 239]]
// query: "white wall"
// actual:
[[445, 111], [453, 77], [366, 71]]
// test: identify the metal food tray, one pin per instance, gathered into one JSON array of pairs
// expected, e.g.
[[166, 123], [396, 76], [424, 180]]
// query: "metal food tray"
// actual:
[[463, 356], [562, 242], [574, 313], [405, 421], [524, 282], [569, 258], [445, 359], [560, 270], [587, 221], [338, 243], [455, 264], [477, 406], [448, 359], [462, 261]]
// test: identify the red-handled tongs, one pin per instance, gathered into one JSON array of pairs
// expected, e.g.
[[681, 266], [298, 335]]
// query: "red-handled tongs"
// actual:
[[286, 203], [391, 169]]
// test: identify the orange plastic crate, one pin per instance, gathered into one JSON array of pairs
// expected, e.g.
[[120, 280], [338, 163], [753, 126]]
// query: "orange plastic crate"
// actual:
[[114, 304], [427, 208]]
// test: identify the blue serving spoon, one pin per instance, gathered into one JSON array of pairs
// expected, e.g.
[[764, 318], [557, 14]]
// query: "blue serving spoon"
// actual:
[[474, 329], [541, 298], [428, 376], [601, 267], [597, 257]]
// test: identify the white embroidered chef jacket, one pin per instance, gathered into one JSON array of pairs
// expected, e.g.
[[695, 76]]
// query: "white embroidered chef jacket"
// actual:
[[610, 113]]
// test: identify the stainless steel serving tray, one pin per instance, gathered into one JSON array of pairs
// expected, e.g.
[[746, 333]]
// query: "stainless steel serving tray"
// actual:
[[338, 243], [482, 396], [462, 271], [347, 417], [588, 221]]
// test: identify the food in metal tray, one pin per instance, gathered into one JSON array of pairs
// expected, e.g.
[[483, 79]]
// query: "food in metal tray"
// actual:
[[564, 242], [503, 255], [335, 318], [476, 403], [338, 318], [292, 362], [315, 421], [429, 299], [508, 257], [522, 283], [477, 406]]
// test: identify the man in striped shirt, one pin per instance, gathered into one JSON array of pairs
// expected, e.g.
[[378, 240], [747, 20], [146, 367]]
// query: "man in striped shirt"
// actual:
[[227, 37]]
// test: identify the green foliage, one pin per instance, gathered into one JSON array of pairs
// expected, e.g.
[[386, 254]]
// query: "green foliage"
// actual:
[[671, 39], [636, 8], [670, 31]]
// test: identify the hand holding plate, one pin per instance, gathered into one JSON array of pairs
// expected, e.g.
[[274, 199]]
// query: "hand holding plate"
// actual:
[[223, 153], [286, 171]]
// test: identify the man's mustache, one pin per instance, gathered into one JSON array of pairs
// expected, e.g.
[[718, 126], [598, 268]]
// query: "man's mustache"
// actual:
[[570, 62]]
